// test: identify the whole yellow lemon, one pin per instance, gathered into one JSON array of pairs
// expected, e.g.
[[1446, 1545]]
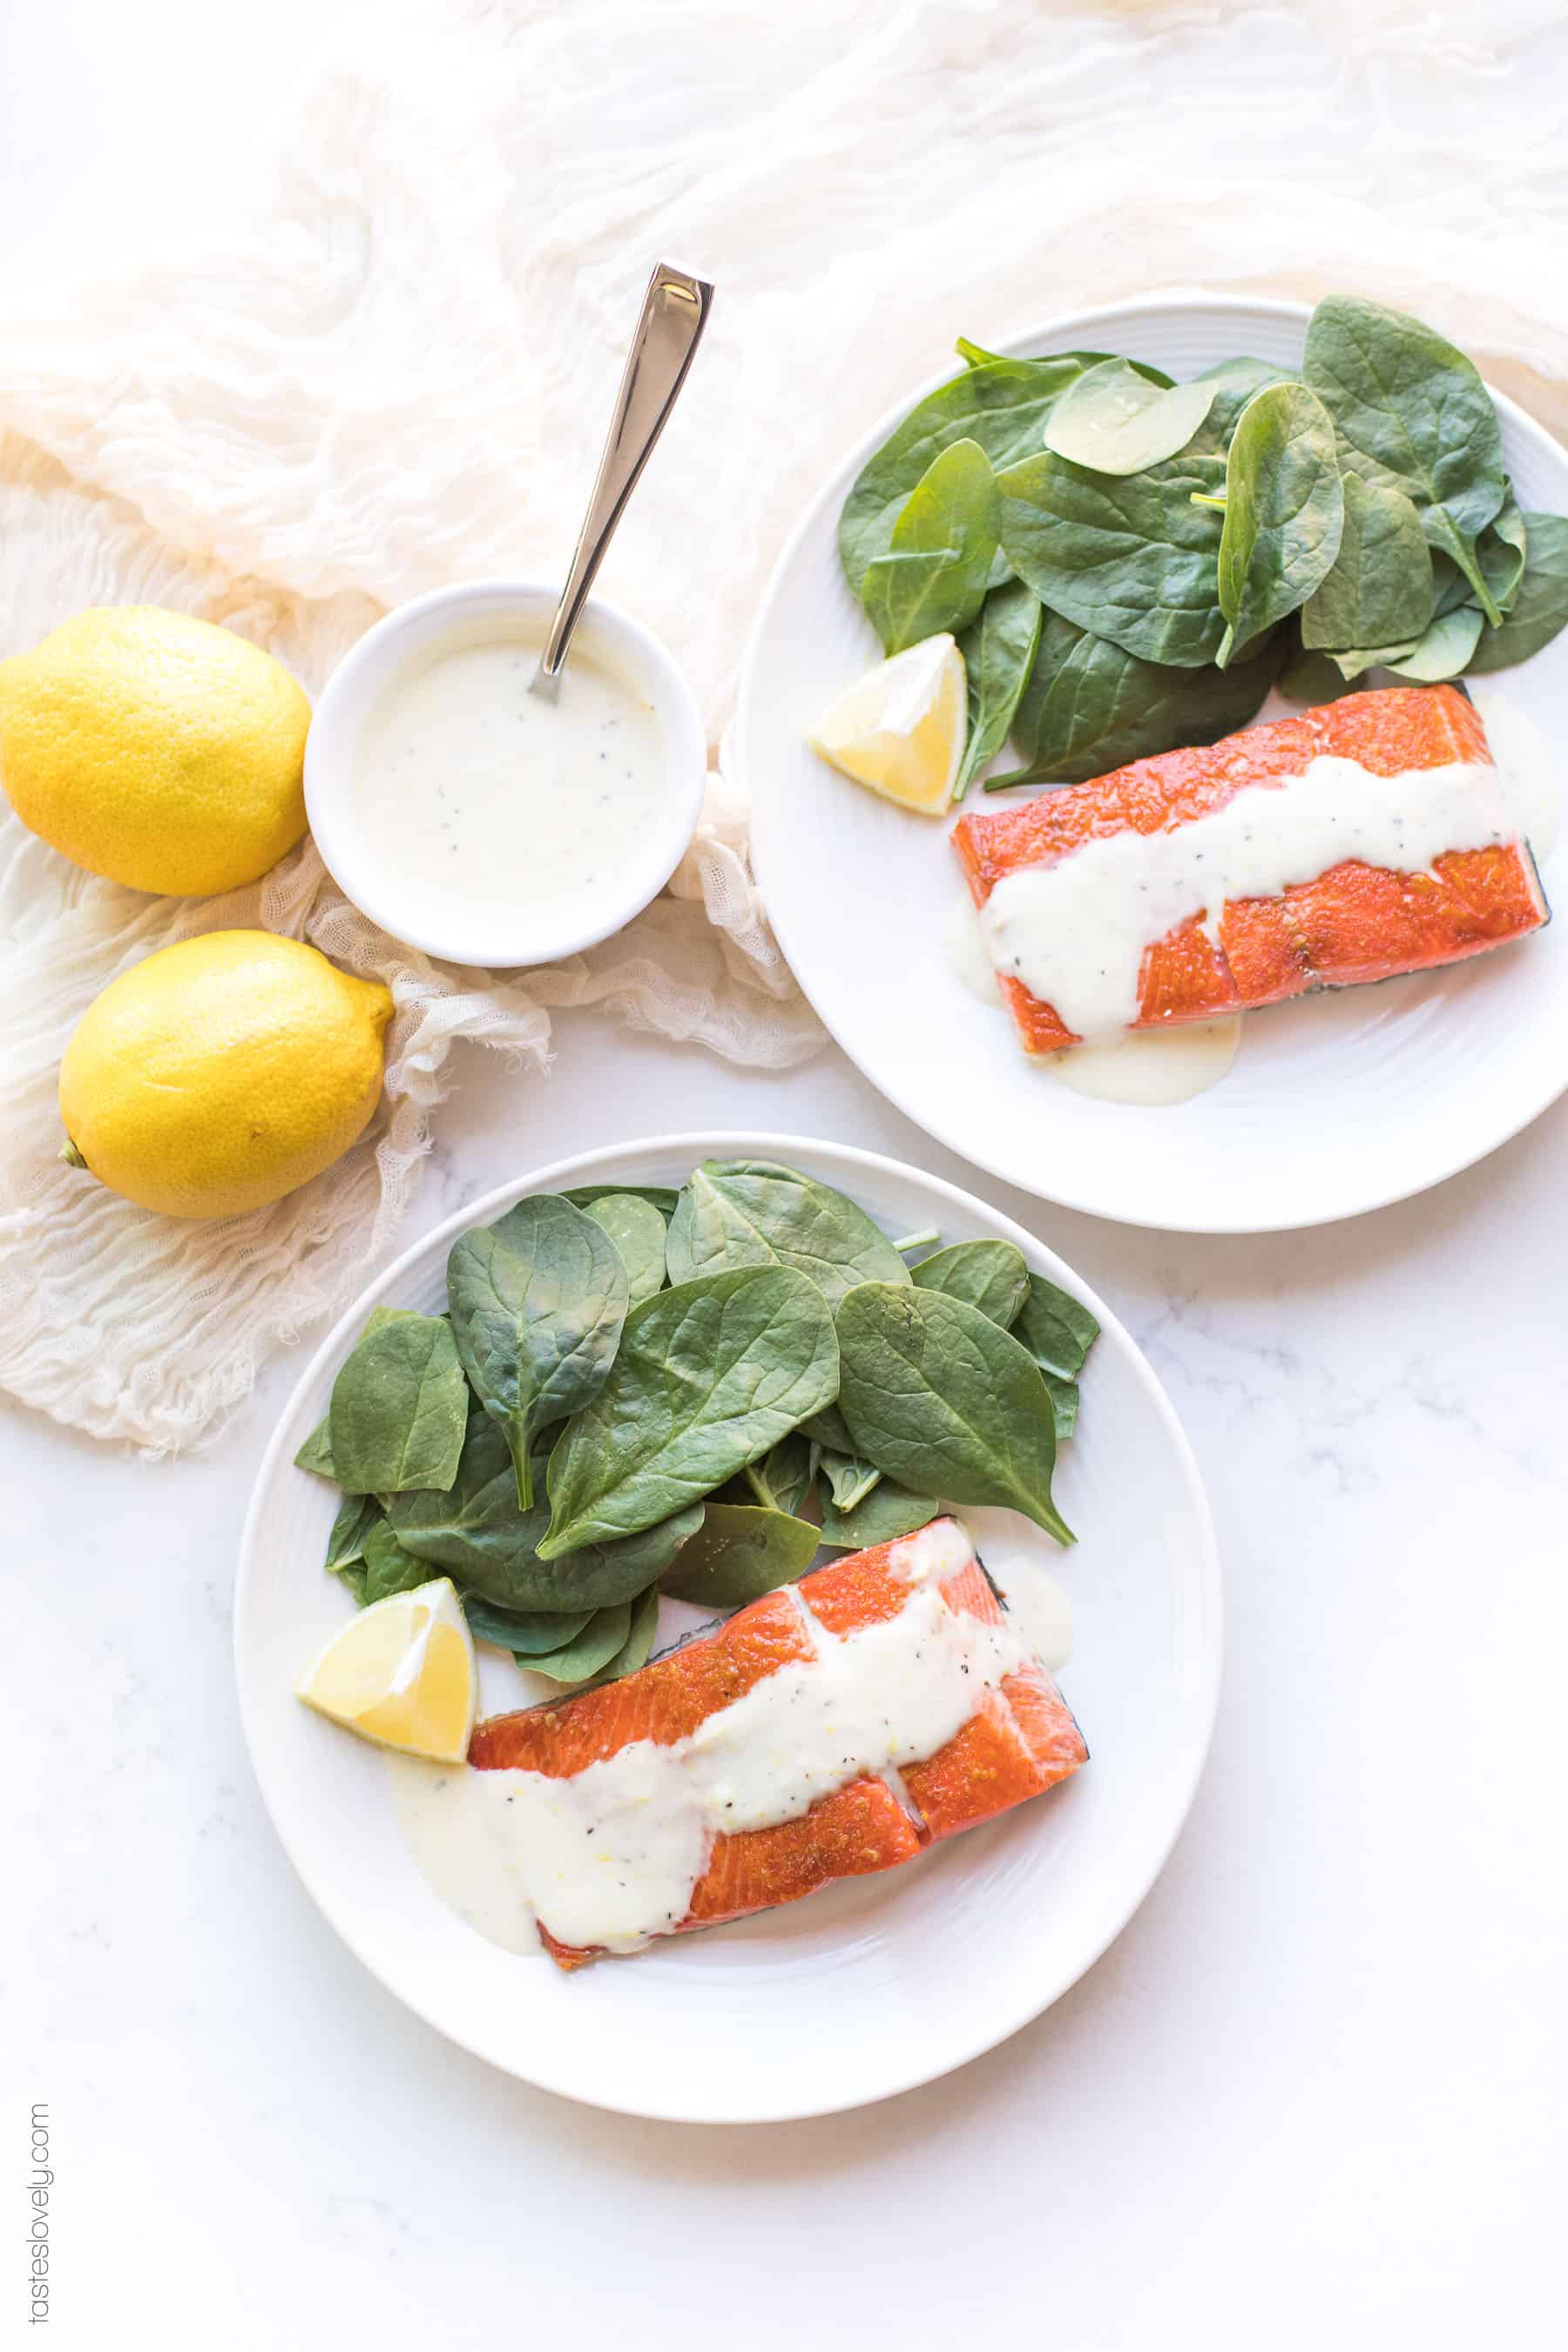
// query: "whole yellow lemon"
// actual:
[[222, 1072], [156, 749]]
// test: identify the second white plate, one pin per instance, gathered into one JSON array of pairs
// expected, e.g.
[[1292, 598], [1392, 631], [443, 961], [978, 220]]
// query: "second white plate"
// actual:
[[1336, 1104], [871, 1986]]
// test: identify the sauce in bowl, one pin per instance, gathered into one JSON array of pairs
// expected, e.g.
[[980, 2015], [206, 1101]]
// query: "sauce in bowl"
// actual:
[[493, 800], [483, 822]]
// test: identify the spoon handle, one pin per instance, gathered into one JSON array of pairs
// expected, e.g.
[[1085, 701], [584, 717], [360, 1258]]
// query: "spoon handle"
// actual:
[[674, 312]]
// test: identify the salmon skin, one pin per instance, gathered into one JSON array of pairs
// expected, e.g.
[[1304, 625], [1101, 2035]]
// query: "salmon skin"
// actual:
[[1019, 1740], [1353, 923]]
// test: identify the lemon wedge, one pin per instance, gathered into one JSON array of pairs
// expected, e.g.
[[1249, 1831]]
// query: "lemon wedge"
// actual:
[[901, 728], [401, 1673]]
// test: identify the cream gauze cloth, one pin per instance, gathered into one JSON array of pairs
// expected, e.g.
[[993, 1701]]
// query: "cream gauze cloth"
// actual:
[[400, 378]]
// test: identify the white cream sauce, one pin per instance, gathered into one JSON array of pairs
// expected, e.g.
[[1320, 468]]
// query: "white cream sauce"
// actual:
[[1076, 932], [611, 1855], [461, 1849], [1039, 1609], [1529, 767], [968, 956], [491, 800], [1152, 1067]]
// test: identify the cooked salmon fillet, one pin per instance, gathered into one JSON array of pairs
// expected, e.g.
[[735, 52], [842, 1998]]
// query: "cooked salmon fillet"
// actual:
[[1352, 922], [1019, 1740]]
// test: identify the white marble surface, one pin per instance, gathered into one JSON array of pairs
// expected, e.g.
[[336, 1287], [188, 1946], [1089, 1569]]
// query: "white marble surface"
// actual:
[[1314, 2093]]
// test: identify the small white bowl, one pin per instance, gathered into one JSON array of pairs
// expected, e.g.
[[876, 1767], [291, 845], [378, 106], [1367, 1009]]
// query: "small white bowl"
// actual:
[[401, 642]]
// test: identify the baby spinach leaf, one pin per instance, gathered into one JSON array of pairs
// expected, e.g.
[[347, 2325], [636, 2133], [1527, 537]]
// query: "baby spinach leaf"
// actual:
[[1232, 385], [1443, 650], [937, 567], [976, 355], [588, 1652], [1380, 589], [710, 1375], [479, 1534], [399, 1407], [538, 1300], [1052, 1325], [1540, 606], [829, 1428], [1115, 421], [1354, 661], [636, 1228], [662, 1197], [1091, 707], [738, 1212], [1443, 535], [316, 1453], [1450, 589], [638, 1645], [1415, 417], [345, 1545], [849, 1480], [781, 1480], [569, 1665], [1133, 559], [1284, 511], [1501, 551], [636, 1559], [887, 1513], [932, 1389], [989, 1274], [998, 652], [1057, 1329], [526, 1632], [1065, 1401], [388, 1568], [1002, 404], [742, 1552]]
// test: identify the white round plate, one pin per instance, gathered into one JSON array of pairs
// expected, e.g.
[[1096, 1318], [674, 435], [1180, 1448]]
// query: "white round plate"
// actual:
[[863, 1989], [1336, 1104]]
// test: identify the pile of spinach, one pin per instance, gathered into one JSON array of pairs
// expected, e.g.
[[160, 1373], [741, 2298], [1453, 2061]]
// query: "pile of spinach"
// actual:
[[696, 1390], [1131, 564]]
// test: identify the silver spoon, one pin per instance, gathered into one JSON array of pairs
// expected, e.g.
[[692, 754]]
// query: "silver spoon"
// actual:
[[674, 313]]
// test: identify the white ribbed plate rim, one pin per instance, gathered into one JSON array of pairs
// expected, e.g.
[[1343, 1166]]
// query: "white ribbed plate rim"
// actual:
[[861, 1991], [1338, 1104]]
